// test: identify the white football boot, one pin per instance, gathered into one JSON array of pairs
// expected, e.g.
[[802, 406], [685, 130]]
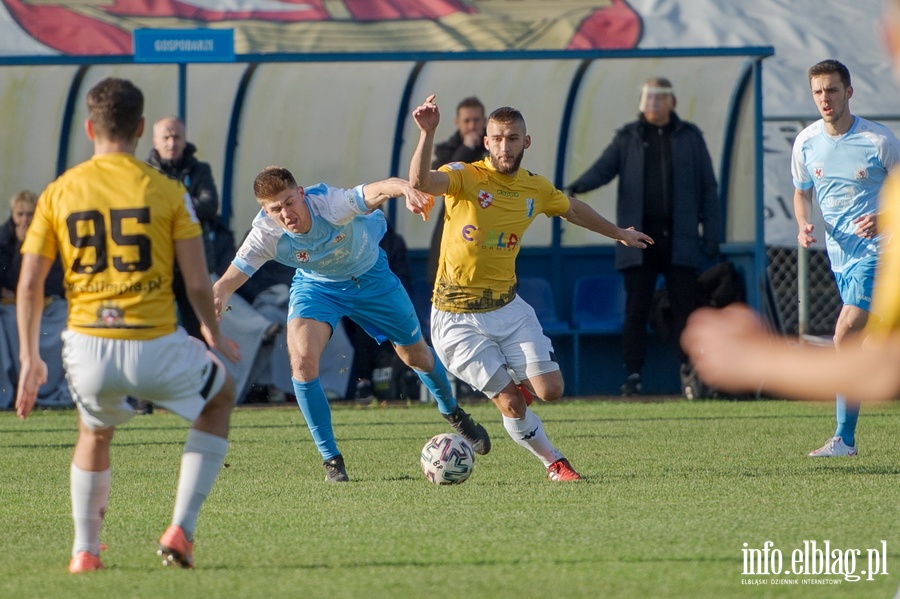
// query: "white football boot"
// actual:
[[833, 448]]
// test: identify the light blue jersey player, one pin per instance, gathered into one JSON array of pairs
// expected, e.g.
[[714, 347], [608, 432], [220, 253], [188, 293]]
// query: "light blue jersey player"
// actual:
[[331, 237], [842, 161], [847, 173]]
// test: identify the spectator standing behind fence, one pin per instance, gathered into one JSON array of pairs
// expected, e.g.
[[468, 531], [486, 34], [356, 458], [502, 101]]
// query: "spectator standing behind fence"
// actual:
[[667, 187], [119, 226], [55, 392], [465, 145], [842, 161]]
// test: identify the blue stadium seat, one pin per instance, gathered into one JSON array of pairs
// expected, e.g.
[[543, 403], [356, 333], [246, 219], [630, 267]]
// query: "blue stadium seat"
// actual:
[[598, 304], [598, 308], [421, 299], [538, 292]]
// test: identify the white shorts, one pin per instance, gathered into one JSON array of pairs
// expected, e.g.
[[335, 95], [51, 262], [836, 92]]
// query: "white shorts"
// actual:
[[175, 372], [474, 346]]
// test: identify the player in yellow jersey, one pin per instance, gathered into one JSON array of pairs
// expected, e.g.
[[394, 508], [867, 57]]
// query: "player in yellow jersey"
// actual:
[[480, 328], [119, 226]]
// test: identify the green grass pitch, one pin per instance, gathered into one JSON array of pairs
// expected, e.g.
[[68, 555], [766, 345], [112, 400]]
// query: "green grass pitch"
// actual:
[[672, 491]]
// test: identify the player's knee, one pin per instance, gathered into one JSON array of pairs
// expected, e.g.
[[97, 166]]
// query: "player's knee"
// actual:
[[304, 368], [101, 436], [552, 393], [417, 356], [549, 387], [510, 403], [226, 397]]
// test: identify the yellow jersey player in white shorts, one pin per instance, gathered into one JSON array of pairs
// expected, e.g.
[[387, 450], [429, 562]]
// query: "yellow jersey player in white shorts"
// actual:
[[119, 226], [480, 328]]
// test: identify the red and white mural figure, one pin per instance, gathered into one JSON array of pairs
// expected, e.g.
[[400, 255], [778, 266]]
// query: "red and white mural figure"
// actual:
[[85, 27]]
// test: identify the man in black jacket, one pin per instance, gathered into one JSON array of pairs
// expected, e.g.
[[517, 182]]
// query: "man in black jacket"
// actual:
[[667, 188], [175, 156], [466, 145]]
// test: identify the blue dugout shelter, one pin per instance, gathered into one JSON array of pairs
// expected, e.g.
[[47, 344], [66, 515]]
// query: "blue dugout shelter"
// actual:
[[345, 118]]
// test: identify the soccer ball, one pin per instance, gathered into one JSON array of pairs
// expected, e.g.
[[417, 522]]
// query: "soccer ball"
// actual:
[[447, 459]]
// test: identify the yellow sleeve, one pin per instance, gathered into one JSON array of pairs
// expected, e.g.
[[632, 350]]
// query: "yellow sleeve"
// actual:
[[458, 173], [557, 203], [185, 224], [40, 238], [886, 294]]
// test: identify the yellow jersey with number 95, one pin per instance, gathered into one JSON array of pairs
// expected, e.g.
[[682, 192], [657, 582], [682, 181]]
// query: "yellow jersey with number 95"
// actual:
[[114, 220]]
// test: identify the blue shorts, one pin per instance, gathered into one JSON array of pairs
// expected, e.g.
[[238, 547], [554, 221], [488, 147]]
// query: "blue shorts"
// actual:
[[855, 283], [376, 301]]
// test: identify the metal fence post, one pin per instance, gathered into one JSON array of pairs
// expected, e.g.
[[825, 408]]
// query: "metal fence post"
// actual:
[[802, 291]]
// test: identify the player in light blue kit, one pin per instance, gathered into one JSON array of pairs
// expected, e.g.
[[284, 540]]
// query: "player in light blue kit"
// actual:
[[331, 236], [842, 160]]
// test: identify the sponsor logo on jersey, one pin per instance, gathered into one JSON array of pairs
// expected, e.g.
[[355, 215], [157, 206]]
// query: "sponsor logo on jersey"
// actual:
[[338, 256], [837, 201], [529, 207], [109, 315], [485, 199], [490, 240]]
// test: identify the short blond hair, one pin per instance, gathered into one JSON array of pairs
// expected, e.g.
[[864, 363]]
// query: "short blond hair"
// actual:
[[26, 196]]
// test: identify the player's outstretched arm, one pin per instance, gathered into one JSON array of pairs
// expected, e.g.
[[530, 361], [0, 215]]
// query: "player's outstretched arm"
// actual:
[[379, 192], [421, 177], [29, 307], [192, 262], [733, 350], [581, 214]]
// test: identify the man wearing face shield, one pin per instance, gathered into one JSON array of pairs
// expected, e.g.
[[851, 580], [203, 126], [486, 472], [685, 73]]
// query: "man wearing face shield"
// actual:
[[667, 189]]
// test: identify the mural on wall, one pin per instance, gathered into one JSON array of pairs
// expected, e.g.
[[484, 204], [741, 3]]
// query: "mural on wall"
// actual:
[[104, 27]]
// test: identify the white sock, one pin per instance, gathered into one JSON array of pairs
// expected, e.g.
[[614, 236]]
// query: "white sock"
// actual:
[[201, 461], [529, 433], [90, 496]]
